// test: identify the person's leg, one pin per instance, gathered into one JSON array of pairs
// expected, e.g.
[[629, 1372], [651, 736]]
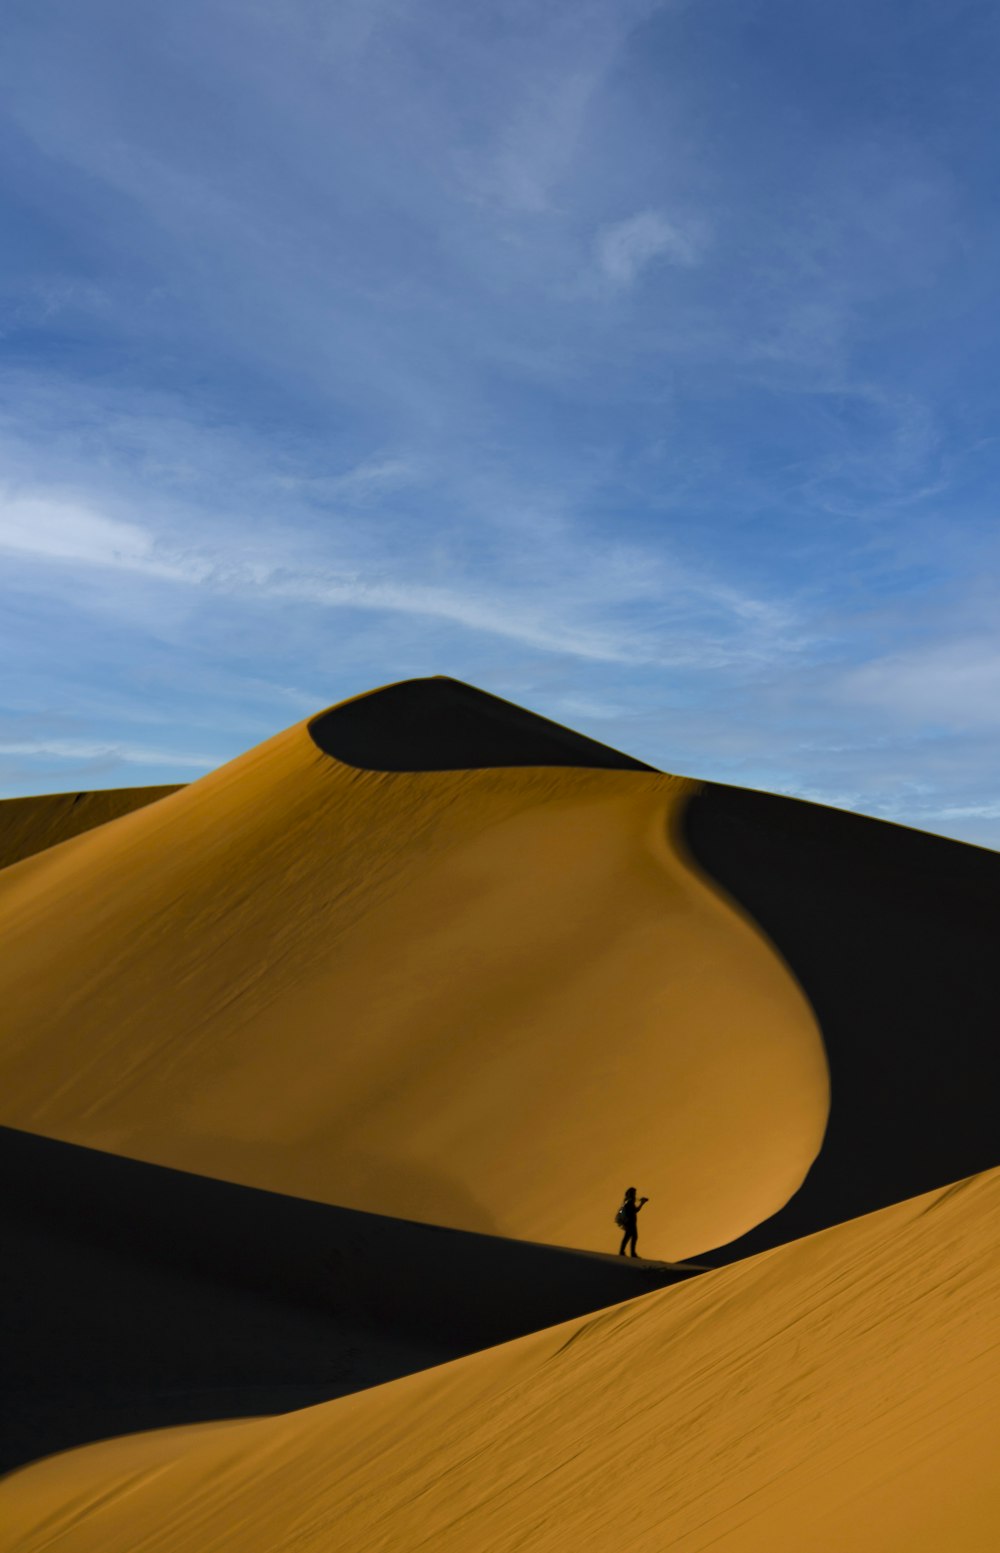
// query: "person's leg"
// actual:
[[634, 1237], [621, 1248]]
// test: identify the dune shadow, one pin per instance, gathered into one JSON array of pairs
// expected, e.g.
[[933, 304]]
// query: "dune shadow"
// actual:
[[441, 724], [136, 1296], [892, 934]]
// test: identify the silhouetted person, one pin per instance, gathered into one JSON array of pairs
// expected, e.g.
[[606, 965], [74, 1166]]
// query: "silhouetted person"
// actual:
[[626, 1216]]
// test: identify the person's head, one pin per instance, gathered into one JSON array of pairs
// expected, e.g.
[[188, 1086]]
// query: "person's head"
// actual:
[[630, 1191]]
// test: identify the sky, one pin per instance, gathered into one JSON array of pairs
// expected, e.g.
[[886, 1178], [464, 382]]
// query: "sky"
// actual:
[[634, 361]]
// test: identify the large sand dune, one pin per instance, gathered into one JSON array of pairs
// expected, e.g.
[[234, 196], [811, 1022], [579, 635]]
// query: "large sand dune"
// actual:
[[893, 936], [484, 998], [279, 1047], [839, 1393]]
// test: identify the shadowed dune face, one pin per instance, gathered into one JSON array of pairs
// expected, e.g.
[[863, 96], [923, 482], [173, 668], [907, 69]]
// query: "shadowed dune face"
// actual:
[[135, 1297], [375, 963], [441, 724], [31, 825], [893, 936], [481, 998], [840, 1393]]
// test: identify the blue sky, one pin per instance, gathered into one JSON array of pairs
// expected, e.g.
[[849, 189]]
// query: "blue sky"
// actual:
[[634, 361]]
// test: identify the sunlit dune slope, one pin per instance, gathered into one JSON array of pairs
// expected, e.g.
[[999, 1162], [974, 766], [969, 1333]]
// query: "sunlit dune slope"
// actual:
[[30, 825], [893, 935], [839, 1392], [487, 998]]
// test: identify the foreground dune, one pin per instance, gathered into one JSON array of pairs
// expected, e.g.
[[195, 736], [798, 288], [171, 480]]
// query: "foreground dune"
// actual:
[[484, 998], [839, 1392], [136, 1297]]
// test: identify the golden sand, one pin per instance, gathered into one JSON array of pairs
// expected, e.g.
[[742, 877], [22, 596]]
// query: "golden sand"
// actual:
[[31, 825], [841, 1392], [488, 999]]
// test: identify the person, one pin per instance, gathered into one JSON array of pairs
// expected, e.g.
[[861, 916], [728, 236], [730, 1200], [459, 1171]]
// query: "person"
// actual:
[[628, 1213]]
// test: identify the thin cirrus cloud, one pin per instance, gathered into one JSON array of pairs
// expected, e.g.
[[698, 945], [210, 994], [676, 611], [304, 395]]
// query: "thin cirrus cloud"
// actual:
[[87, 750], [565, 619], [625, 248], [950, 684], [53, 529]]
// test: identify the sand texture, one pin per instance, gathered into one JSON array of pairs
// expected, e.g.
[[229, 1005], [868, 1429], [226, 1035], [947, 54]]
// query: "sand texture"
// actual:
[[30, 825], [135, 1297], [839, 1392], [482, 998], [320, 1081]]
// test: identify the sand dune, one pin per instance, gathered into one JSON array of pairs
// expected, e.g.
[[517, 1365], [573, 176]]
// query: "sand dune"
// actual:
[[134, 1296], [430, 966], [482, 998], [31, 825], [442, 725], [892, 935], [839, 1392]]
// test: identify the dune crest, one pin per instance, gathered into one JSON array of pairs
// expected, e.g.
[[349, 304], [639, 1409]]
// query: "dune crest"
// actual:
[[441, 724], [482, 998]]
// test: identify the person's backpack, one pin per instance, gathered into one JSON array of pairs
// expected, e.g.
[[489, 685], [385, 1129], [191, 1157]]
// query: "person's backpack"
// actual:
[[620, 1217]]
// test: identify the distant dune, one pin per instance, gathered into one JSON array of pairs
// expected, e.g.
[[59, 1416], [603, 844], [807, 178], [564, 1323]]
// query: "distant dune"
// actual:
[[30, 825], [332, 1066]]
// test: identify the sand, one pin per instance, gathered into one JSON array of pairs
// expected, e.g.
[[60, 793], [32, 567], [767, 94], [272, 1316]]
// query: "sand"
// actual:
[[333, 1065], [441, 724], [488, 999], [892, 935], [30, 825], [135, 1297], [839, 1392]]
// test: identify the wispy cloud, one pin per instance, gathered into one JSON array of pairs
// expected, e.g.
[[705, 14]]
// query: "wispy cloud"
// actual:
[[87, 750], [605, 352], [625, 248], [550, 79], [949, 684], [593, 609], [56, 529], [371, 480], [971, 811]]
